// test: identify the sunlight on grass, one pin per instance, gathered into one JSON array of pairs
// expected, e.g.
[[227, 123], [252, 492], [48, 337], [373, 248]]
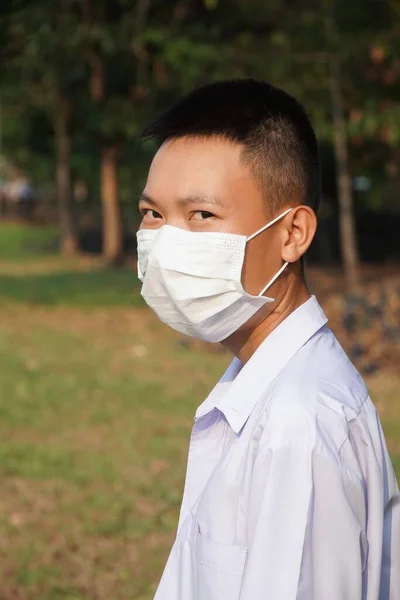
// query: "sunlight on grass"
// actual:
[[93, 451]]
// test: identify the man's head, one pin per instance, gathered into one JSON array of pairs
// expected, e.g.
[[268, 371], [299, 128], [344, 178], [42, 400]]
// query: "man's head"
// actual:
[[277, 141], [233, 155]]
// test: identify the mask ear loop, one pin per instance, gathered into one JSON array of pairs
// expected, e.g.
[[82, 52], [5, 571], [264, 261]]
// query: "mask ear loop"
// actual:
[[253, 235], [273, 279]]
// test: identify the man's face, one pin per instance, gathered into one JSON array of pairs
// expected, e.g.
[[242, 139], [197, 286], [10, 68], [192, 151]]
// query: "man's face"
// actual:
[[201, 185]]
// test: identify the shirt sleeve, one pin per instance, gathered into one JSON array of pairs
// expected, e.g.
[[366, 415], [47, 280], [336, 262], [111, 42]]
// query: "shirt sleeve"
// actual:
[[306, 522]]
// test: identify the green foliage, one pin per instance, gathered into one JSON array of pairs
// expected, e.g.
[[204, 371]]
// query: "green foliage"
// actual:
[[148, 52]]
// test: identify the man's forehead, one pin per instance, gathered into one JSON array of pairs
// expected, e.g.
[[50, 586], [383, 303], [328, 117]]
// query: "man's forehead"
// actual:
[[197, 167], [207, 152]]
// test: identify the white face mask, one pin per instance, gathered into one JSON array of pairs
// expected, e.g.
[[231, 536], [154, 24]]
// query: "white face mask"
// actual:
[[192, 280]]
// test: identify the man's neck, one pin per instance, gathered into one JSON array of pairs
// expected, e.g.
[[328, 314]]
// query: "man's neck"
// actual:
[[244, 343]]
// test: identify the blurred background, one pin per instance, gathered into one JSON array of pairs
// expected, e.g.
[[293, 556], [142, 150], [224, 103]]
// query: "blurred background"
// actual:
[[96, 397]]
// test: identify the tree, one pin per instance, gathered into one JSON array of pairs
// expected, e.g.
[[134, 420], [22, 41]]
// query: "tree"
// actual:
[[321, 52], [95, 47], [96, 71], [139, 55], [106, 35], [39, 48], [348, 237]]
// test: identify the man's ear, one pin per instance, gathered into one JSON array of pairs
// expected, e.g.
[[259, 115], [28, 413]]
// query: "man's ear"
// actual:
[[300, 232]]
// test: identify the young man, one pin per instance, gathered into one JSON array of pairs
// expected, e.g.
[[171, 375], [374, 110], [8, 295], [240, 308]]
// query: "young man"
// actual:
[[290, 493]]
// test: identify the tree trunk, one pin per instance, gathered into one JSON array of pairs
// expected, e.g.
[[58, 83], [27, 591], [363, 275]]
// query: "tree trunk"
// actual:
[[112, 227], [69, 240], [348, 240]]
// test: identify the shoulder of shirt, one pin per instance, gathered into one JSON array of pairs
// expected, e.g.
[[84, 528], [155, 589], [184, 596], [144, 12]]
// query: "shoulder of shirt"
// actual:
[[314, 398]]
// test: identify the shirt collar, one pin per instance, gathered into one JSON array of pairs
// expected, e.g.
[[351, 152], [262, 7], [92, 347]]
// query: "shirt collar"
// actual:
[[241, 386]]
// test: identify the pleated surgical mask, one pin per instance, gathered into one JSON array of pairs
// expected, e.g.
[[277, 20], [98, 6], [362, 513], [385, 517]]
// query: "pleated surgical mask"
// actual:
[[192, 280]]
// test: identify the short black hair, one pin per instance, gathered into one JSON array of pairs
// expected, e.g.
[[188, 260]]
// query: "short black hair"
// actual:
[[279, 143]]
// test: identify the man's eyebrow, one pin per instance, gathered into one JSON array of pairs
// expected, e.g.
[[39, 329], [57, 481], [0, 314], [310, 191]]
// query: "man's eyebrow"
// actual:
[[199, 199], [145, 198], [182, 202]]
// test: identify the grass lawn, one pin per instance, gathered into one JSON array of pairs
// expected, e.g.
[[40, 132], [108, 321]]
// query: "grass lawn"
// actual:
[[95, 412], [96, 405], [24, 242]]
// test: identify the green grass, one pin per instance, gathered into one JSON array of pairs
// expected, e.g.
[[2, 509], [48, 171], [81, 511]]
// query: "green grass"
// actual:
[[24, 242], [96, 408], [104, 287], [31, 273], [95, 413]]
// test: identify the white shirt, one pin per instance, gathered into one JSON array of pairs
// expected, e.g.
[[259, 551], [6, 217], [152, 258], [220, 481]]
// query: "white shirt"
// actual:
[[290, 493]]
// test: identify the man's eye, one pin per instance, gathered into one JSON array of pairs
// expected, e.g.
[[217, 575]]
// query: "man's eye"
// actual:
[[200, 215], [151, 213]]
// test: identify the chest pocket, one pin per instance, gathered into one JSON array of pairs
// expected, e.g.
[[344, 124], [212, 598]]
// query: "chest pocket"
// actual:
[[219, 568]]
